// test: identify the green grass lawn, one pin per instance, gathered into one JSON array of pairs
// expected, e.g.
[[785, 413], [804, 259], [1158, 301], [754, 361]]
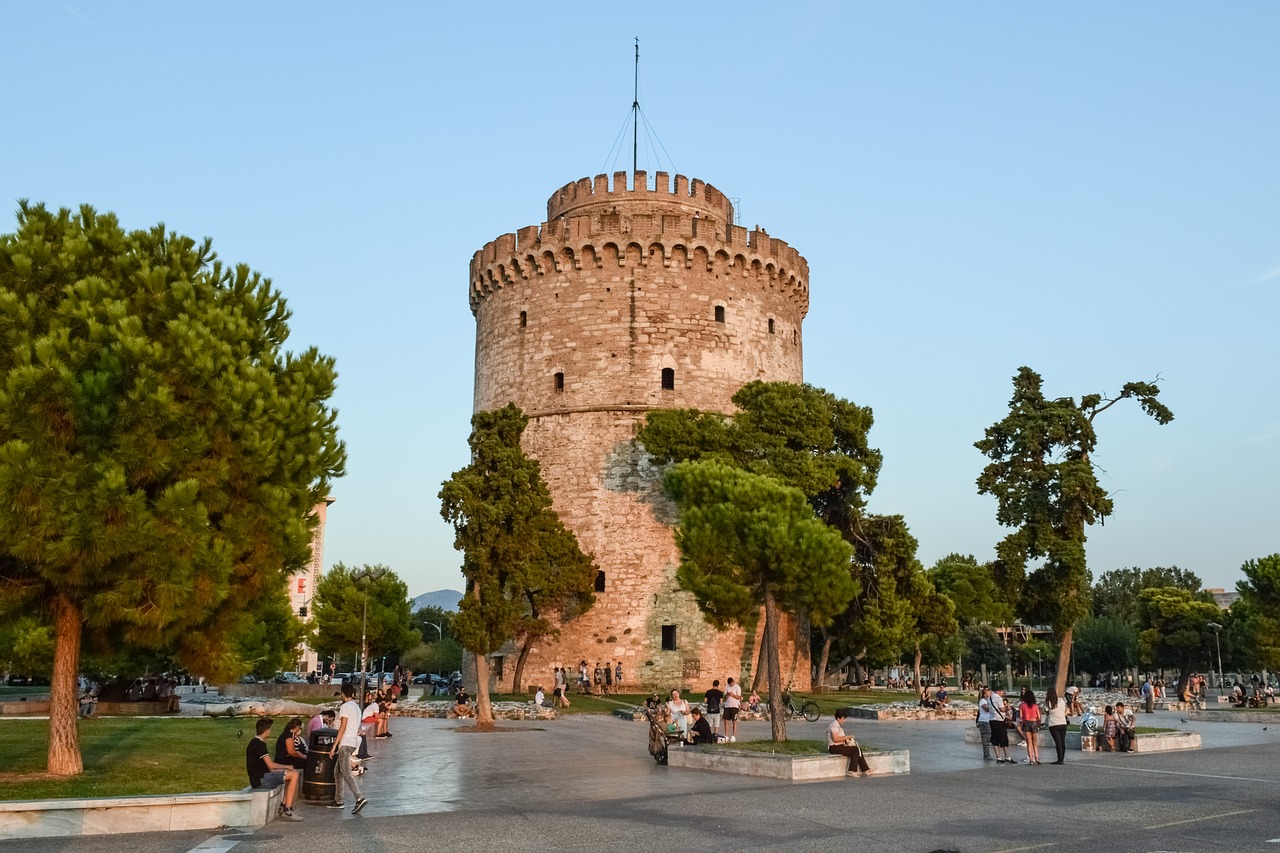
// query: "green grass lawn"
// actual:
[[124, 757]]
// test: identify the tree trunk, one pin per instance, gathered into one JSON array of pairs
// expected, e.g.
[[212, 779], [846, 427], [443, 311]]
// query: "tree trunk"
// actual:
[[484, 710], [827, 640], [1064, 662], [916, 665], [518, 676], [777, 719], [761, 667], [64, 700]]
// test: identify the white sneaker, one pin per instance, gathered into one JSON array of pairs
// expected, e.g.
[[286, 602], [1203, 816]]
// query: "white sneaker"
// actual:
[[733, 739]]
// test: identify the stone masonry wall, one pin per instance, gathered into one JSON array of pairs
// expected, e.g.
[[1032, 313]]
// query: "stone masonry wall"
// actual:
[[576, 322]]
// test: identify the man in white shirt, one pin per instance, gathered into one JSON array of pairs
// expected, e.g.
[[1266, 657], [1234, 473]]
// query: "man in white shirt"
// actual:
[[732, 702], [999, 728], [346, 743]]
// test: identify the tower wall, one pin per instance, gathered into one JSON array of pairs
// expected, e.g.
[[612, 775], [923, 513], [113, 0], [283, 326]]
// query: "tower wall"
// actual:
[[576, 322]]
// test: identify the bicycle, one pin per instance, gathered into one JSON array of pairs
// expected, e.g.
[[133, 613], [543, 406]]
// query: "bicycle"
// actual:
[[808, 710]]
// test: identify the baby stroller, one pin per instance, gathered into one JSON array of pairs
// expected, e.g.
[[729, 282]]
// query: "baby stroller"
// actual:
[[662, 731]]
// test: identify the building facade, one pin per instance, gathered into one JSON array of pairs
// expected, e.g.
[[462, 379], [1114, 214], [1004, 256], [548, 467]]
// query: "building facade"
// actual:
[[630, 298], [302, 587]]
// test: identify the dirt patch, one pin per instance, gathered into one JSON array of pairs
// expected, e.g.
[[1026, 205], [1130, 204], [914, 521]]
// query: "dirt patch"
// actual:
[[488, 729]]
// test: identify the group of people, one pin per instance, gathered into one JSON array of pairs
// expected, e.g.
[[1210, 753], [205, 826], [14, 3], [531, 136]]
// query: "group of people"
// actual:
[[268, 769], [715, 720], [997, 716], [601, 681]]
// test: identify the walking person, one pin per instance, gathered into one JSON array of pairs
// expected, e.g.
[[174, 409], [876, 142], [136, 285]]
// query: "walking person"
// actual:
[[679, 710], [346, 743], [1029, 724], [732, 702], [1000, 726], [984, 720], [1056, 713], [840, 743]]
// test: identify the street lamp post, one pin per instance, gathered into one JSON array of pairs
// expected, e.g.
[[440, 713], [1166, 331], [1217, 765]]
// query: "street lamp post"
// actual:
[[1218, 643], [366, 577], [439, 630], [1039, 669]]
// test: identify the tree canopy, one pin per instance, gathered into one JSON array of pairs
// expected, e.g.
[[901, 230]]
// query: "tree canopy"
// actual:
[[1175, 630], [1045, 488], [160, 450], [1116, 592], [1256, 614], [973, 589], [746, 539], [340, 614], [515, 548]]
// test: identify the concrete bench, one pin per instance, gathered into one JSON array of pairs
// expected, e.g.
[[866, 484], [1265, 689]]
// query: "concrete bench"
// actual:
[[110, 815], [797, 768]]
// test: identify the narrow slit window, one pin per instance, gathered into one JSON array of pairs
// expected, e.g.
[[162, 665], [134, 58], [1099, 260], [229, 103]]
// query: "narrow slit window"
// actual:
[[524, 319], [771, 325], [668, 638], [668, 379], [559, 383], [719, 313], [599, 581]]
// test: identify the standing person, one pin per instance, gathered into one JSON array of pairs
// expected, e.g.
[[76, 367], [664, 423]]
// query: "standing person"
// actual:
[[617, 676], [714, 697], [679, 710], [732, 702], [1029, 724], [584, 680], [1000, 726], [839, 743], [1056, 711], [599, 681], [346, 743], [265, 774], [1148, 697], [608, 679], [984, 720], [558, 681], [1074, 708]]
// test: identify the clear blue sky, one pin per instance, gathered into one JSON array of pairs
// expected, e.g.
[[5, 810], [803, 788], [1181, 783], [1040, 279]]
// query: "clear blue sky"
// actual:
[[1090, 189]]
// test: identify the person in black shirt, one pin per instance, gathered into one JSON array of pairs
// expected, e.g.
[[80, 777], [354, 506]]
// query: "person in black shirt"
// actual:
[[700, 731], [713, 698], [265, 774], [290, 750]]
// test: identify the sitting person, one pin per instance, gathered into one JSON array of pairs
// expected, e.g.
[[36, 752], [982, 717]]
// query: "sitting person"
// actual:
[[462, 704], [839, 743], [1074, 706], [700, 730], [265, 774], [1125, 734], [322, 720], [754, 705], [290, 749], [941, 699], [540, 699]]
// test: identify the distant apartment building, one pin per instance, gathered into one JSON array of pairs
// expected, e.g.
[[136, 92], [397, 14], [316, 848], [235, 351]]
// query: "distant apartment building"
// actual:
[[302, 587]]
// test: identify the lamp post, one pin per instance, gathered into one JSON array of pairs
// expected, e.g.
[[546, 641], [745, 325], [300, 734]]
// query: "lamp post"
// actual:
[[1039, 670], [439, 630], [366, 577], [1218, 643]]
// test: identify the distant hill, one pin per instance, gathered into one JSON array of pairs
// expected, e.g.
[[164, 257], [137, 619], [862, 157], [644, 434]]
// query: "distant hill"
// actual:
[[445, 599]]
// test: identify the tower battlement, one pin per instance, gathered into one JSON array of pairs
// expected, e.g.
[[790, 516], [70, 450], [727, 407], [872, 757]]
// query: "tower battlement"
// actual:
[[595, 227], [586, 194]]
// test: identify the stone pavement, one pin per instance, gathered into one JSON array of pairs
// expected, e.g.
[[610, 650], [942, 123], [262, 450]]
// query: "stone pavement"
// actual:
[[588, 783]]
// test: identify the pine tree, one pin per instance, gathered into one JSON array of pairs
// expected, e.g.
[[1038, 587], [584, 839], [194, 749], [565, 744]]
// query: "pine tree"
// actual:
[[160, 451]]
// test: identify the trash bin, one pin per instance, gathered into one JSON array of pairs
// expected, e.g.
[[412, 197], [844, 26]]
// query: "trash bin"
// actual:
[[317, 775]]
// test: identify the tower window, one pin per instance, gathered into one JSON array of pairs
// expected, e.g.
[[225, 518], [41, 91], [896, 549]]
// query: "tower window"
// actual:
[[719, 313], [559, 383], [771, 325], [668, 379], [668, 638], [524, 319], [599, 581]]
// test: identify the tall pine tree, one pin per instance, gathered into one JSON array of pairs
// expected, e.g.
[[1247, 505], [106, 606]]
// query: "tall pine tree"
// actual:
[[160, 451]]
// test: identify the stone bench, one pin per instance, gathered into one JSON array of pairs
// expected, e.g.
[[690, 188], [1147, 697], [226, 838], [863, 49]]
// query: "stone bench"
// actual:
[[110, 815], [501, 711], [796, 768]]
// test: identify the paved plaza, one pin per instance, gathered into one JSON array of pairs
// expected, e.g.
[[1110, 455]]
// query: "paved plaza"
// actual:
[[588, 783]]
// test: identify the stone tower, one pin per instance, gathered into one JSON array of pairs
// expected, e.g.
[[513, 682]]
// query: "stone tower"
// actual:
[[628, 299]]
